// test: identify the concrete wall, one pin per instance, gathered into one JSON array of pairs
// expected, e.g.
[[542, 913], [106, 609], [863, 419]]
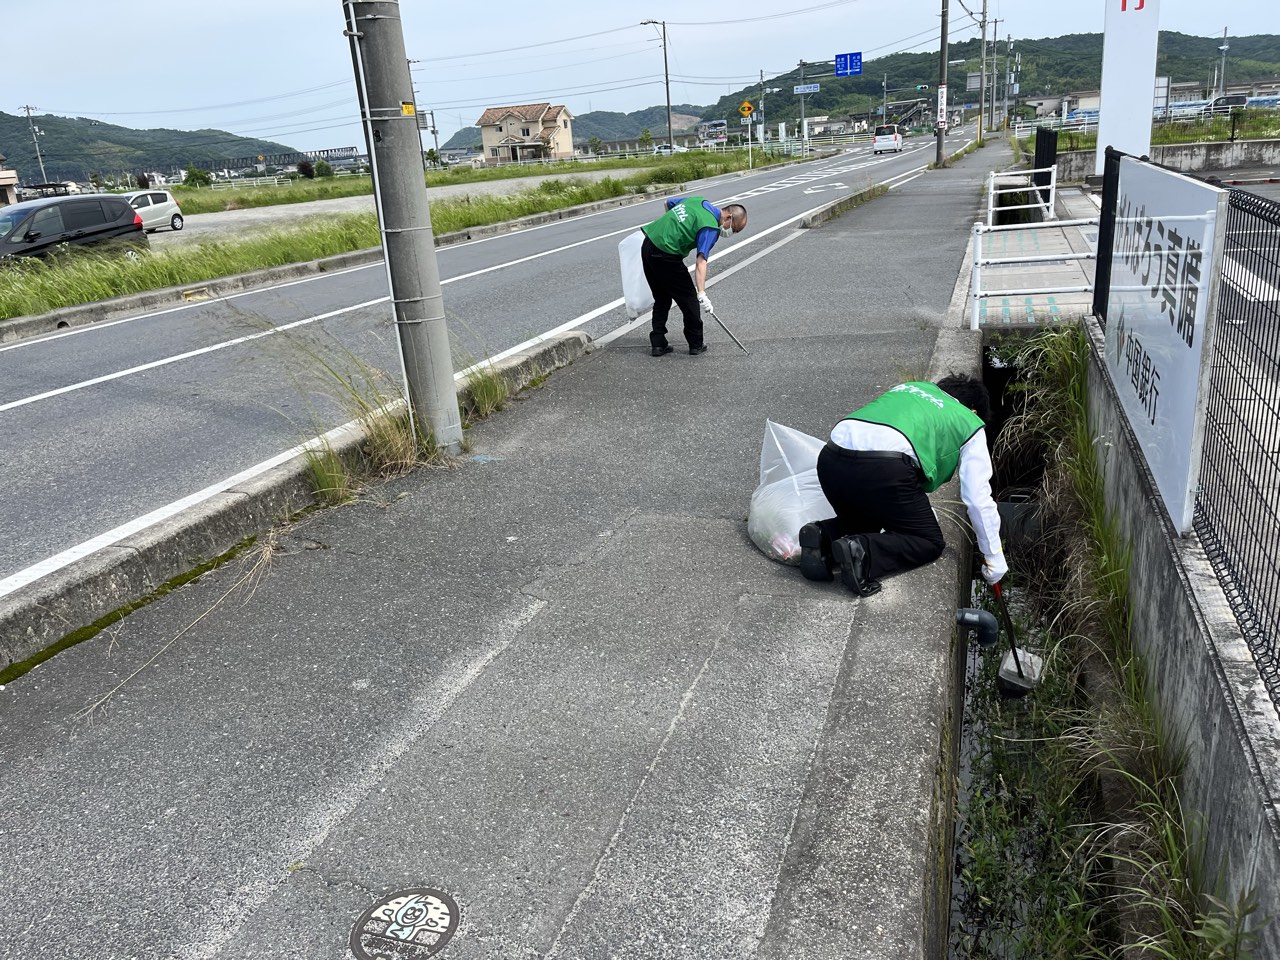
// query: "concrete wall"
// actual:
[[1200, 673], [1074, 166]]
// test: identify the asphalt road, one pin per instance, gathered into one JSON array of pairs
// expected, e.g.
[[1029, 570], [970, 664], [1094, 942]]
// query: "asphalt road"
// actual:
[[102, 425]]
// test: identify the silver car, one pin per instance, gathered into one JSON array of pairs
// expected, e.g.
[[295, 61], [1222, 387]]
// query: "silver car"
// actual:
[[157, 208]]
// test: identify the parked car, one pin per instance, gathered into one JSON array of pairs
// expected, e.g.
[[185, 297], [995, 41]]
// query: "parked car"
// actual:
[[1222, 106], [158, 209], [36, 227], [666, 150], [888, 136]]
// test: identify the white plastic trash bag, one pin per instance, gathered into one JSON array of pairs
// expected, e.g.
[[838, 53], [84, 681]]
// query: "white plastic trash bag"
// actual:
[[789, 495], [635, 288]]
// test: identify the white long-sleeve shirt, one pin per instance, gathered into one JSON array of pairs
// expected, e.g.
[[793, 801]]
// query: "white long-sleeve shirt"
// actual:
[[974, 472]]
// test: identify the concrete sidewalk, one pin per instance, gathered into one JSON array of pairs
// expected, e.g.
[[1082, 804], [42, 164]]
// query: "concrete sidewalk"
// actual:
[[556, 683]]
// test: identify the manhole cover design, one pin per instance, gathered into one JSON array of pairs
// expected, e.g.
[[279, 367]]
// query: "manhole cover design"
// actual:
[[406, 925]]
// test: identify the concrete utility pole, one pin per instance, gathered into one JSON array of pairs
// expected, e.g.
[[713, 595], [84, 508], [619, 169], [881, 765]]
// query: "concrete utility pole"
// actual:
[[404, 217], [1008, 70], [995, 81], [982, 87], [666, 78], [941, 120], [804, 131], [35, 139]]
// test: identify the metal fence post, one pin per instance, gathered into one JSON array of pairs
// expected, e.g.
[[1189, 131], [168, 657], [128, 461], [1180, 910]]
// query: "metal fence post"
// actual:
[[1106, 232], [975, 276]]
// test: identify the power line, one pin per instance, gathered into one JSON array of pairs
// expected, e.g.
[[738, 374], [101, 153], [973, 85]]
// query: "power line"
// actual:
[[546, 43], [770, 16]]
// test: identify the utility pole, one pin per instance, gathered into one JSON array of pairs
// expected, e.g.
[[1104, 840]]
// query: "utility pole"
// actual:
[[804, 131], [435, 133], [982, 87], [1008, 68], [941, 120], [1222, 74], [390, 122], [35, 140], [762, 111], [995, 80], [884, 102], [666, 78]]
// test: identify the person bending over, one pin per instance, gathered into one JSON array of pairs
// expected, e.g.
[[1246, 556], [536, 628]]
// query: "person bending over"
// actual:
[[688, 224]]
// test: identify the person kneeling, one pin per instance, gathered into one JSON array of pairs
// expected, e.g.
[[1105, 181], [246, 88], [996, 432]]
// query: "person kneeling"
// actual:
[[877, 470]]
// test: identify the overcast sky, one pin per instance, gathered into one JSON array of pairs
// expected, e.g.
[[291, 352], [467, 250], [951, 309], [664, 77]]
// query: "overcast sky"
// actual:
[[281, 69]]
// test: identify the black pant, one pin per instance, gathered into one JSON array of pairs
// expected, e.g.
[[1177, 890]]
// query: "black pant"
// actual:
[[880, 492], [669, 280]]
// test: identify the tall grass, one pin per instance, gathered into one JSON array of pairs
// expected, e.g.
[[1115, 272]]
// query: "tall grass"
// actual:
[[1075, 842], [674, 169]]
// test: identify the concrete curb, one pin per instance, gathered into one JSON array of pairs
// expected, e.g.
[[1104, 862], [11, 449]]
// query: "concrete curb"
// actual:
[[836, 207], [34, 617]]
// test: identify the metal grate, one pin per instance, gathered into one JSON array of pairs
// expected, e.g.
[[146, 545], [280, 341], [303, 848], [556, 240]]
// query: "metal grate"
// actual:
[[1238, 504]]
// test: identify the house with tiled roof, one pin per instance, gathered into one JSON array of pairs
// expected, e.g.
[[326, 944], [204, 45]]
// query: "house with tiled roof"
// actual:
[[530, 131]]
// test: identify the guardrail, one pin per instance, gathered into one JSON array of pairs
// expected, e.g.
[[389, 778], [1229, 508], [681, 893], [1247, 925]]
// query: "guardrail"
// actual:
[[1026, 128], [977, 294], [1045, 204]]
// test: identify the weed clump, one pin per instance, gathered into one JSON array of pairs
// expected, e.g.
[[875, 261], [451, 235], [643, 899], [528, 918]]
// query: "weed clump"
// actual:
[[1073, 840]]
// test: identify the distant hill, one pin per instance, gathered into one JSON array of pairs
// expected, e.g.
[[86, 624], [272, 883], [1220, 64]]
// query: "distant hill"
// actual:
[[1055, 65], [75, 147], [607, 125]]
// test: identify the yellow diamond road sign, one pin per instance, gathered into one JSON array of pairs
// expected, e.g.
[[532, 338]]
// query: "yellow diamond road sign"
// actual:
[[746, 109]]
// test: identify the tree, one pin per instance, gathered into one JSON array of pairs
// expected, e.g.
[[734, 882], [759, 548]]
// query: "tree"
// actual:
[[646, 139], [323, 169], [307, 169], [594, 144], [143, 181], [433, 158], [96, 181], [196, 177]]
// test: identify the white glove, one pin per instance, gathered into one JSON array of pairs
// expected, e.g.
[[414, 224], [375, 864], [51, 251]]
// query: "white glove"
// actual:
[[994, 568], [705, 302]]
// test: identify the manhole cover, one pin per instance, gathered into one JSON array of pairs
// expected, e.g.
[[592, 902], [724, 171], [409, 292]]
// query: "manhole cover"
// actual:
[[406, 925]]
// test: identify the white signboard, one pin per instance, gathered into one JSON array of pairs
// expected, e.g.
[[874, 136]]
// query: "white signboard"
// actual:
[[1165, 262], [1130, 33], [805, 88], [942, 103]]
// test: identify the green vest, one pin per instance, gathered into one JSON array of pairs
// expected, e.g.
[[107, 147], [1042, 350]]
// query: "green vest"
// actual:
[[676, 231], [935, 423]]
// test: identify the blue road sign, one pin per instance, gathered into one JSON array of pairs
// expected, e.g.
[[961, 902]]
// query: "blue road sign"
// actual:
[[848, 64]]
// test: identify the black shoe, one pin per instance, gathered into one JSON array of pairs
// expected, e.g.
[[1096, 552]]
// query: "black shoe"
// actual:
[[851, 556], [660, 351], [815, 553], [700, 348]]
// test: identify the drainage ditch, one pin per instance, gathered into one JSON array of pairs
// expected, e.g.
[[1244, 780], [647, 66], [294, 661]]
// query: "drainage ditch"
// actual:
[[1069, 838]]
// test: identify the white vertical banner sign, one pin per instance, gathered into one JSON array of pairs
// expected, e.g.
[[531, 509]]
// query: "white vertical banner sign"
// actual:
[[1131, 33], [1166, 260], [942, 103]]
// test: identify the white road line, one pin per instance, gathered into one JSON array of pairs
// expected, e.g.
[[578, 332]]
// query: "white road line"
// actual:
[[91, 328], [70, 388], [138, 524]]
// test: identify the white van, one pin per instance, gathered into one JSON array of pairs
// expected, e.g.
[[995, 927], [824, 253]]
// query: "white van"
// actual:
[[888, 137]]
